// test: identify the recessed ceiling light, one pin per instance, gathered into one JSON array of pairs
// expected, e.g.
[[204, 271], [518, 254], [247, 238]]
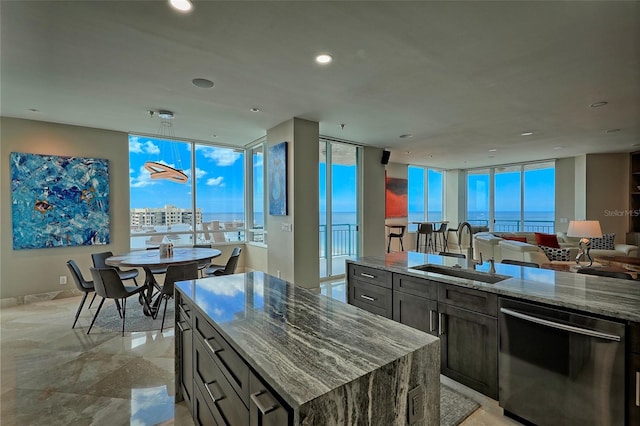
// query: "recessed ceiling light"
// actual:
[[324, 58], [407, 152], [635, 144], [492, 150], [255, 109], [214, 136], [558, 147], [612, 130], [598, 104], [33, 110], [526, 133], [202, 83], [406, 136], [181, 5], [165, 115]]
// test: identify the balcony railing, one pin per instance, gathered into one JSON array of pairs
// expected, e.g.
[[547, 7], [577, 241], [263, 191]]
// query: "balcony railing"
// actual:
[[504, 225], [344, 240]]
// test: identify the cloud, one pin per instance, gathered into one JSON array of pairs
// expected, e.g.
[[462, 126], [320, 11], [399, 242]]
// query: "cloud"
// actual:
[[200, 173], [221, 156], [218, 181], [138, 147]]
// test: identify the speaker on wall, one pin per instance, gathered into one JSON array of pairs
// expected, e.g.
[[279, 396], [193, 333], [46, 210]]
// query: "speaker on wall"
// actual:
[[385, 157]]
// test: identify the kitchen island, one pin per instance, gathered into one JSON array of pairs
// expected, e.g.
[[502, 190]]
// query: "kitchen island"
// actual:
[[255, 349], [552, 347]]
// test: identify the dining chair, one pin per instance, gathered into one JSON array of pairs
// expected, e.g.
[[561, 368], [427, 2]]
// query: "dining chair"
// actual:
[[425, 229], [108, 284], [601, 273], [519, 263], [399, 235], [448, 254], [99, 263], [186, 271], [157, 270], [83, 285], [440, 234], [229, 268]]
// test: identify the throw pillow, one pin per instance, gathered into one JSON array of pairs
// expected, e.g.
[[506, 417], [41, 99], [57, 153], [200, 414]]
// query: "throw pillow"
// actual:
[[604, 243], [521, 239], [553, 253], [547, 240]]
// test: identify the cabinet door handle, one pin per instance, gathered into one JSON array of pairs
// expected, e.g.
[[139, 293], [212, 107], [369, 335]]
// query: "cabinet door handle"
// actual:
[[208, 386], [637, 388], [362, 274], [369, 298], [182, 329], [184, 313], [431, 321], [264, 409], [440, 324], [211, 348]]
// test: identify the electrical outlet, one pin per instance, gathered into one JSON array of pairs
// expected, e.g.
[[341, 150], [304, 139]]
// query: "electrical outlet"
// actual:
[[416, 405], [278, 274], [63, 279]]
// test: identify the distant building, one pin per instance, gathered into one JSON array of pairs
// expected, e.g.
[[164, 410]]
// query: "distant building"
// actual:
[[167, 215]]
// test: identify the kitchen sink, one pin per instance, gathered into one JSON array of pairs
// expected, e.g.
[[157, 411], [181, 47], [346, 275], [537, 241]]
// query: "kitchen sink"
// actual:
[[462, 273]]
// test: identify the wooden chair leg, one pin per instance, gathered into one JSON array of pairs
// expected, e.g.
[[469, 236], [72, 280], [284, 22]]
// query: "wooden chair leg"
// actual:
[[96, 315]]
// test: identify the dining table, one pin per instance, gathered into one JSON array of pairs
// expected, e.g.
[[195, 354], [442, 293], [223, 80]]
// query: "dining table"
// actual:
[[150, 260]]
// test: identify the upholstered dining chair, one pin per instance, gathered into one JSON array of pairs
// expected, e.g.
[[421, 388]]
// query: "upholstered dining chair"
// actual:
[[108, 284], [203, 264], [186, 271], [99, 263], [229, 268], [83, 285]]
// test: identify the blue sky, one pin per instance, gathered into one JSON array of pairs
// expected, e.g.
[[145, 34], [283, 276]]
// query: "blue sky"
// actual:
[[220, 173]]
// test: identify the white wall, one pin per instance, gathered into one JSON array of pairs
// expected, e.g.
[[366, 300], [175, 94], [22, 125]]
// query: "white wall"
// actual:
[[565, 193]]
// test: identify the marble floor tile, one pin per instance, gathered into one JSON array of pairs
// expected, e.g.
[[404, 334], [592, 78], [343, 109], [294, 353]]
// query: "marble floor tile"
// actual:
[[53, 375]]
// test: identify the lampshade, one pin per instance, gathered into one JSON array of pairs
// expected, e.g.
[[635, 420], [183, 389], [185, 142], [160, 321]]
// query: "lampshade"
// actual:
[[584, 228]]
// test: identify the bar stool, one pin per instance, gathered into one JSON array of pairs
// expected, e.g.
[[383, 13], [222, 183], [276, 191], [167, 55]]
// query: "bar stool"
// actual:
[[397, 235], [442, 232], [425, 229]]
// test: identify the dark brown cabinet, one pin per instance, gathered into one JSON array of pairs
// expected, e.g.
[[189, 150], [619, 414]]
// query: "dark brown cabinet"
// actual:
[[469, 348], [415, 303], [216, 382]]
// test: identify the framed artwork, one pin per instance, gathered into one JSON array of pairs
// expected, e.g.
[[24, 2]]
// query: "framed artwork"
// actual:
[[396, 197], [58, 201], [277, 176]]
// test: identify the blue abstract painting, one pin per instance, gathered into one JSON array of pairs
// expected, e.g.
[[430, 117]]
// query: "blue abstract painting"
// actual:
[[277, 173], [59, 201]]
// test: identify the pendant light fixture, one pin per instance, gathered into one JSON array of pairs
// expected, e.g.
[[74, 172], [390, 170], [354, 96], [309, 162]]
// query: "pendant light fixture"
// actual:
[[159, 170]]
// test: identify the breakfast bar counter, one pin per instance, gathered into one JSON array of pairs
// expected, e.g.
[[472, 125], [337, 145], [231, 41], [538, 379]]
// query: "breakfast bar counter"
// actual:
[[265, 349]]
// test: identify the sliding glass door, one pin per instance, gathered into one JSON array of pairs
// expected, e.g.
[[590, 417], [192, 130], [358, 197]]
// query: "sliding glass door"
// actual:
[[339, 187]]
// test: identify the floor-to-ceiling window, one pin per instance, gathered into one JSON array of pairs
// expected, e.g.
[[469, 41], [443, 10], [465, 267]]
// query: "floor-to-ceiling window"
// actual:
[[256, 207], [186, 192], [338, 188], [513, 198], [478, 197], [426, 195]]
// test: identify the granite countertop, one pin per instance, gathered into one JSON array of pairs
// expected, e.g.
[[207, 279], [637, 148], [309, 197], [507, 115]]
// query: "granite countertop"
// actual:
[[304, 344], [599, 295]]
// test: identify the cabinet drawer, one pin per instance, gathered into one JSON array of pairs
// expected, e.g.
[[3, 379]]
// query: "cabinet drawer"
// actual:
[[372, 298], [266, 409], [218, 393], [467, 298], [231, 364], [202, 415], [416, 286], [370, 275]]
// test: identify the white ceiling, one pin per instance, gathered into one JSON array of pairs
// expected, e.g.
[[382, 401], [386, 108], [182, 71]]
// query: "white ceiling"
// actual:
[[462, 77]]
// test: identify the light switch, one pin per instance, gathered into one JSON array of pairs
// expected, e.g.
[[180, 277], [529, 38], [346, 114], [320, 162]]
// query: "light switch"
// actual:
[[416, 405], [286, 227]]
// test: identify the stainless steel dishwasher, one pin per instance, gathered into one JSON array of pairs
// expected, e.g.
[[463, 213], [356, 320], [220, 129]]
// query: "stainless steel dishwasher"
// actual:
[[560, 368]]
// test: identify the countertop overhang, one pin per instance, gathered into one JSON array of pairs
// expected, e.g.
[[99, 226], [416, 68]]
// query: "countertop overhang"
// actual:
[[609, 297]]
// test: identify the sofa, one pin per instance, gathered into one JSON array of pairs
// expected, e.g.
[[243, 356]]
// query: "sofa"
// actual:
[[523, 246]]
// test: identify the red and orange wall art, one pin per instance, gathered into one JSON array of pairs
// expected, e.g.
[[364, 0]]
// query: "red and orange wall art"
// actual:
[[396, 198]]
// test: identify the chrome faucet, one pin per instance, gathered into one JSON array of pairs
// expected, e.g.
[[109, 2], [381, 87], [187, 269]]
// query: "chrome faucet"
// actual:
[[492, 266], [475, 263]]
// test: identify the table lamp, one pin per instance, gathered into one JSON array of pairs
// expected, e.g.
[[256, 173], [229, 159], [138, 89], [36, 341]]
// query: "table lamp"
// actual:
[[585, 229]]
